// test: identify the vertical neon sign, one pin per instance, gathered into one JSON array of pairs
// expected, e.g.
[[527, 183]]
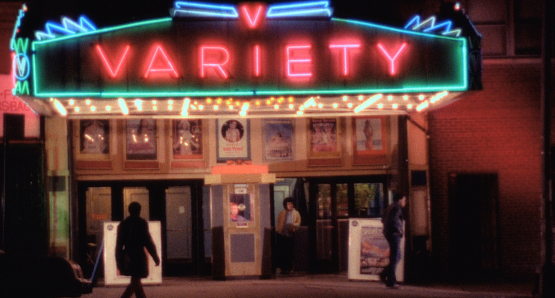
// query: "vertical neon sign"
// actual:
[[164, 58], [392, 59], [113, 73], [256, 60], [345, 49], [207, 55], [21, 66], [294, 59]]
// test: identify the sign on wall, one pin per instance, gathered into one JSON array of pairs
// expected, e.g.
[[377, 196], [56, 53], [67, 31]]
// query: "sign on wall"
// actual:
[[10, 104]]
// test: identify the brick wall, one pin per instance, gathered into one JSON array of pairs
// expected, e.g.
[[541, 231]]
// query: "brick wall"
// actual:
[[496, 130]]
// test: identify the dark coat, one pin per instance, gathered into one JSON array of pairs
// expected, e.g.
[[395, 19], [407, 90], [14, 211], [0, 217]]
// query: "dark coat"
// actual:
[[133, 236], [393, 220]]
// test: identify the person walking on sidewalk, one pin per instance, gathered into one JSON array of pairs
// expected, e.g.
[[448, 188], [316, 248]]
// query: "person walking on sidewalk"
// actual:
[[132, 237], [289, 219], [393, 231]]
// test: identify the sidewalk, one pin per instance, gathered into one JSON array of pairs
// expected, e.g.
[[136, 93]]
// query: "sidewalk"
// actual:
[[301, 285]]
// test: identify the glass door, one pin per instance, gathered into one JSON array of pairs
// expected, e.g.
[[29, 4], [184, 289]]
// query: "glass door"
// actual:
[[332, 202]]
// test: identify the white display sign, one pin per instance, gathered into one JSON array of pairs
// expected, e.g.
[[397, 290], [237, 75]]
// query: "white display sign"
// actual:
[[111, 273], [369, 250]]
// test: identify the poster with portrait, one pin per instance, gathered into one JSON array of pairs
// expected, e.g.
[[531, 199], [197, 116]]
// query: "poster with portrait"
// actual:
[[94, 137], [278, 140], [233, 140], [187, 139], [141, 139], [369, 140]]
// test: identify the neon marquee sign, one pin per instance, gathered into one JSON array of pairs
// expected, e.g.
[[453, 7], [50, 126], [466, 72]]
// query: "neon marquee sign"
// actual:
[[247, 51]]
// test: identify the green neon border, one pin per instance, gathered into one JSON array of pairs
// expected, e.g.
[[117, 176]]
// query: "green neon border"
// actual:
[[457, 87]]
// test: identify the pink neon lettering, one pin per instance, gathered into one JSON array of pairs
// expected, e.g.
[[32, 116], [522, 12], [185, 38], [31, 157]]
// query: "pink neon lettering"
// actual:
[[291, 62], [250, 22], [169, 67], [217, 65], [257, 60], [392, 60], [113, 73], [345, 48]]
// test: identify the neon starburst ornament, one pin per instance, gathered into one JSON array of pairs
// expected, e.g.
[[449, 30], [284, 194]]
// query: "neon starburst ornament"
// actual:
[[429, 26], [66, 27]]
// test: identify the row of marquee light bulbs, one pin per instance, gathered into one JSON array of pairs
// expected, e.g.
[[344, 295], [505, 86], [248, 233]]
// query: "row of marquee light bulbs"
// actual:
[[187, 106]]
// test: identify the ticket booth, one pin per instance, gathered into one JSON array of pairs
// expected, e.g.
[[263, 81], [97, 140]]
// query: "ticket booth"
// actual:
[[241, 221]]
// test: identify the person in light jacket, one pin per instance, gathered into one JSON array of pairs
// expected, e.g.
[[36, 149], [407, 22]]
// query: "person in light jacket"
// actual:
[[132, 239], [289, 219]]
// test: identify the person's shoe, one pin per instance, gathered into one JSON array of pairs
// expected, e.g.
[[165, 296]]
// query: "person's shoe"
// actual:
[[382, 277], [395, 286]]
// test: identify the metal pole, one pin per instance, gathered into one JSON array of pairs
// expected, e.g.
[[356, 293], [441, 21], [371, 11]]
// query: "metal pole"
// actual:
[[547, 275]]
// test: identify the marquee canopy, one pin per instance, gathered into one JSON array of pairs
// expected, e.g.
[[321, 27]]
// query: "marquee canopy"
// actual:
[[253, 60]]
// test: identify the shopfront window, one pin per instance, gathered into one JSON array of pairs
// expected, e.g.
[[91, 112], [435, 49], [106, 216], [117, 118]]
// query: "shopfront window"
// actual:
[[369, 199]]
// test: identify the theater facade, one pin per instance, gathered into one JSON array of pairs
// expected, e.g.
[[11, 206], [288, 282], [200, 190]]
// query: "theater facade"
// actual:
[[334, 109]]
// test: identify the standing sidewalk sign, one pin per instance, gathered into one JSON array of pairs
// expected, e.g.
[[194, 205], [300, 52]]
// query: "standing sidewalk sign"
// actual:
[[111, 273], [369, 250]]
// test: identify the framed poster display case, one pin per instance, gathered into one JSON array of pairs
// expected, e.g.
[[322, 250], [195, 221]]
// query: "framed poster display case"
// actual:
[[324, 142], [369, 140], [94, 141]]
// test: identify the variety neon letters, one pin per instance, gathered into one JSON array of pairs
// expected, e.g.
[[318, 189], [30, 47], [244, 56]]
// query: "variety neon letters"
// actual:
[[215, 59]]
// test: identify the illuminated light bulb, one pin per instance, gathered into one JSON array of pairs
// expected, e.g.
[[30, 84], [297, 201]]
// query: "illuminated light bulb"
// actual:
[[349, 105], [320, 105], [155, 108], [395, 106], [301, 108], [268, 102], [195, 103], [52, 99], [300, 113], [209, 100], [71, 102], [335, 105], [309, 102], [123, 106], [291, 106], [88, 102], [201, 107], [345, 98], [276, 107], [421, 97], [170, 102], [380, 106], [170, 108], [257, 102], [216, 107], [231, 107], [219, 101], [140, 108], [138, 102], [185, 107], [371, 100], [228, 102], [60, 107], [409, 106], [390, 98], [243, 113], [245, 106], [406, 97], [93, 108], [291, 99], [77, 109], [108, 108], [237, 103], [360, 97], [154, 102]]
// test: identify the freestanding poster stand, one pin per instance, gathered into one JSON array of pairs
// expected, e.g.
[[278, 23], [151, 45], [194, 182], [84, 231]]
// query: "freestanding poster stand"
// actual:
[[241, 222], [111, 273], [369, 250]]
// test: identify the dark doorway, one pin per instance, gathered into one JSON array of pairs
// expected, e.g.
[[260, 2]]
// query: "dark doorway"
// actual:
[[473, 226]]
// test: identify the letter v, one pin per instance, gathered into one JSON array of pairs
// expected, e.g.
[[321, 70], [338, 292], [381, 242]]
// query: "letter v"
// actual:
[[252, 23], [113, 73]]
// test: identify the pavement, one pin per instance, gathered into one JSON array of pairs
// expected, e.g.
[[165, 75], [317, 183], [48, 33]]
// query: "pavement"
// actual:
[[300, 285]]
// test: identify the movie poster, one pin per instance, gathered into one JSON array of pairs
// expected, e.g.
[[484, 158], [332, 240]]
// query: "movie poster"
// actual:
[[323, 136], [141, 139], [233, 139], [374, 250], [187, 139], [278, 140]]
